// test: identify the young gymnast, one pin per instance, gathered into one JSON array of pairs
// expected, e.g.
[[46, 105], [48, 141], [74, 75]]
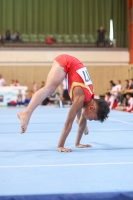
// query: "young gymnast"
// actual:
[[111, 100], [81, 93], [129, 107]]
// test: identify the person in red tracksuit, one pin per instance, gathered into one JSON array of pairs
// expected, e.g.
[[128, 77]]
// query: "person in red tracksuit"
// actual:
[[80, 89]]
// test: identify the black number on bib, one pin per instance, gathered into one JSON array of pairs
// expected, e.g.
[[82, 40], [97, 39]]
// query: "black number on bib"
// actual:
[[86, 76]]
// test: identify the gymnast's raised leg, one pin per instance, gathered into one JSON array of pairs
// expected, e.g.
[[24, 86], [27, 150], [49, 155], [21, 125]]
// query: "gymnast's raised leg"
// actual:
[[55, 77]]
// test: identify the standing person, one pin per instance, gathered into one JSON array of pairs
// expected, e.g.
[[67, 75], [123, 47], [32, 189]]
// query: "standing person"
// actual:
[[101, 36], [7, 35], [81, 92], [19, 98], [2, 81], [27, 98], [1, 40]]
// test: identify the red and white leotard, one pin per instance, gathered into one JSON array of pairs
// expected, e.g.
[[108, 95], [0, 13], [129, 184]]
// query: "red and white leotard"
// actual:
[[129, 108], [77, 76], [111, 102]]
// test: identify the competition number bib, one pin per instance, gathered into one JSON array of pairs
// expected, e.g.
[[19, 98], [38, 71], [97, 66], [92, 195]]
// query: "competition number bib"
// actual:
[[83, 73]]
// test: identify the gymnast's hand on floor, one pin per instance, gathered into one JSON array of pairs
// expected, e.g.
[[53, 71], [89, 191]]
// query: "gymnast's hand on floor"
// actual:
[[62, 149], [83, 146]]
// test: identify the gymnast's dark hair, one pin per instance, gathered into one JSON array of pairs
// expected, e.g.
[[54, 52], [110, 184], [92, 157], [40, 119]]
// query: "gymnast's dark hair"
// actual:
[[102, 110]]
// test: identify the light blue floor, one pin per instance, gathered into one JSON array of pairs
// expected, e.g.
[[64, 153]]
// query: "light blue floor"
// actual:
[[30, 163]]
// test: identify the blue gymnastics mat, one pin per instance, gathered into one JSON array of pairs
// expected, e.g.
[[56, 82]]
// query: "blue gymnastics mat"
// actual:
[[32, 169]]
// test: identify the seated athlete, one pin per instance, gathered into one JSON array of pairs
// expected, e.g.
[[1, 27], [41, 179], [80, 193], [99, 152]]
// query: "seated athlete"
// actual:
[[81, 92], [129, 108], [111, 100]]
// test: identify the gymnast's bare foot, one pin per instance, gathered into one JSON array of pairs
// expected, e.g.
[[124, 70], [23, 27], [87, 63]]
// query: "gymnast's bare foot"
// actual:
[[83, 146], [24, 120]]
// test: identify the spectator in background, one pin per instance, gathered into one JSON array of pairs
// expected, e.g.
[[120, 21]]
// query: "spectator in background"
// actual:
[[65, 90], [34, 88], [101, 36], [112, 84], [19, 98], [129, 107], [116, 90], [131, 84], [119, 89], [127, 87], [16, 83], [16, 37], [62, 88], [12, 83], [7, 35], [119, 86], [2, 81], [42, 84], [1, 40], [27, 98], [122, 96], [111, 99]]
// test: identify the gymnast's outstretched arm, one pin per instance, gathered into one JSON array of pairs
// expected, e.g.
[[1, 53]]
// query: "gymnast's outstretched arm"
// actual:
[[76, 106], [81, 127]]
